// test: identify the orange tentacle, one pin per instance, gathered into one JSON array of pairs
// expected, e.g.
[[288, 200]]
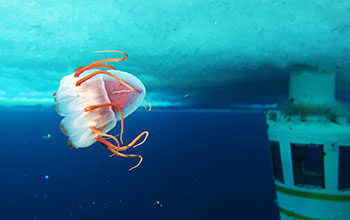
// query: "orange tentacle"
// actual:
[[111, 147], [77, 69], [146, 133], [115, 106], [120, 91], [134, 141], [110, 51], [80, 81], [150, 106], [93, 64], [100, 133], [113, 136], [97, 66], [105, 66]]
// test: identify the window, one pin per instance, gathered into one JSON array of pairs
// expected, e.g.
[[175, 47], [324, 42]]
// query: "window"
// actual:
[[344, 168], [308, 164], [276, 160]]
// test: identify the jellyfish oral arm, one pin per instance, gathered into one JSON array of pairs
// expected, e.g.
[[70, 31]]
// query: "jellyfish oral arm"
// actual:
[[93, 65], [115, 106], [150, 106], [115, 149], [110, 147]]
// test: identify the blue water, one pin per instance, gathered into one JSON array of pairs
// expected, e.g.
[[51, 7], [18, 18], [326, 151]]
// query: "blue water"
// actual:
[[197, 165]]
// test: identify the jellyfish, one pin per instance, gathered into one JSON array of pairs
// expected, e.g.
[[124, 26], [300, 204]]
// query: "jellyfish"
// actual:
[[93, 99]]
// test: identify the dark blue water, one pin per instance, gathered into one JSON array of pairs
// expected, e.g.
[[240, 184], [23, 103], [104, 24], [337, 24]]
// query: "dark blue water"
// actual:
[[197, 165]]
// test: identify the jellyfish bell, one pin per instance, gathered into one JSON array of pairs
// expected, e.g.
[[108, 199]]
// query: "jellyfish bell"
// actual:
[[128, 101], [92, 100], [72, 100]]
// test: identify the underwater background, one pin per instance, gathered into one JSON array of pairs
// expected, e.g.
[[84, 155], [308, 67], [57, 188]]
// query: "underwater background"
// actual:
[[197, 165], [211, 69]]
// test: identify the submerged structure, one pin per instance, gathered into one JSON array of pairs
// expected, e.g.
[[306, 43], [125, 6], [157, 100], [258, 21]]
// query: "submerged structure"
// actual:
[[309, 139]]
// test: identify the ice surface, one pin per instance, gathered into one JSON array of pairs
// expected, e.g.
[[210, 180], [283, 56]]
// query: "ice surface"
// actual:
[[188, 53]]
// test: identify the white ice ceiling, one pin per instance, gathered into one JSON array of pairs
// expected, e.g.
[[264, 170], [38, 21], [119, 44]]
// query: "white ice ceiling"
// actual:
[[187, 52]]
